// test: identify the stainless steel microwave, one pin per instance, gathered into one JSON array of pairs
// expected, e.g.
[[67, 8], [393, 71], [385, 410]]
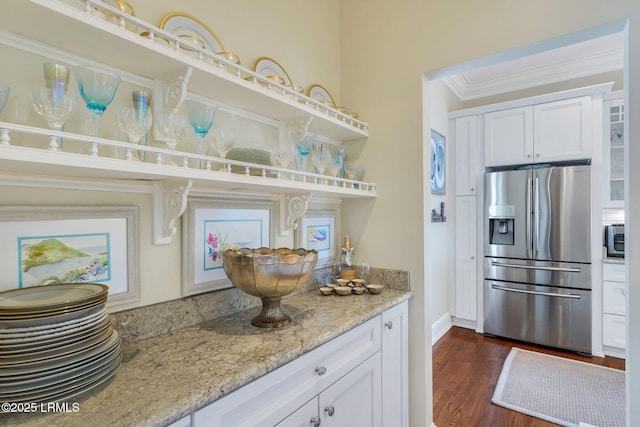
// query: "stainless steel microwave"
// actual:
[[614, 240]]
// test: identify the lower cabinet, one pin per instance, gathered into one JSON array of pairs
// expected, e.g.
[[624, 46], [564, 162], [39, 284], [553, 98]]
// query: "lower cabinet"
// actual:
[[614, 318], [341, 383]]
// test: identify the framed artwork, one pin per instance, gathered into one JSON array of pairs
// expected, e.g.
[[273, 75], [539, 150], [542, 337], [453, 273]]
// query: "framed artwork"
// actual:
[[438, 161], [211, 227], [62, 244], [319, 230]]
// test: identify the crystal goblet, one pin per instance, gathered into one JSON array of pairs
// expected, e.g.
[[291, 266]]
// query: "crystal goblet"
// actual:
[[56, 109], [201, 116], [171, 126], [135, 123], [336, 162], [320, 160], [304, 147], [283, 155], [350, 168], [4, 95], [223, 142], [98, 88]]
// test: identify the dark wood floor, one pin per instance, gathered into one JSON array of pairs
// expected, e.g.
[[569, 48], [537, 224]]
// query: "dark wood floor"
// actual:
[[466, 367]]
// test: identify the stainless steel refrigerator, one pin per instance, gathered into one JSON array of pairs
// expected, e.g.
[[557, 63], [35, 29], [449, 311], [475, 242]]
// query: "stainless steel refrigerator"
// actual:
[[537, 264]]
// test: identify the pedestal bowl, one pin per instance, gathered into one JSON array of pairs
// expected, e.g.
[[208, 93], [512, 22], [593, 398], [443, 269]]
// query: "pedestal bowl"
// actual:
[[269, 274]]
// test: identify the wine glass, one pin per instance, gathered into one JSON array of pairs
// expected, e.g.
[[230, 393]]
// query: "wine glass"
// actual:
[[54, 108], [304, 146], [171, 126], [4, 95], [283, 155], [320, 160], [135, 122], [335, 163], [350, 169], [223, 142], [97, 88], [201, 119]]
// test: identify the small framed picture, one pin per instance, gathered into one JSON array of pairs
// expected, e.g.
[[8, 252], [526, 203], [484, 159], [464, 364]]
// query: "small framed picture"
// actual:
[[438, 161], [319, 230], [71, 244], [211, 227]]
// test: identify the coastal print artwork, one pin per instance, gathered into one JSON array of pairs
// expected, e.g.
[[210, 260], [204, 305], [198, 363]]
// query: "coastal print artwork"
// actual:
[[438, 161], [210, 229], [44, 245], [63, 259], [318, 230]]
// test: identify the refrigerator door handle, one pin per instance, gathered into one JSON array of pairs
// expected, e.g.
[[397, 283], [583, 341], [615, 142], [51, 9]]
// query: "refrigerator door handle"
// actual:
[[536, 218], [536, 267], [528, 220], [524, 291]]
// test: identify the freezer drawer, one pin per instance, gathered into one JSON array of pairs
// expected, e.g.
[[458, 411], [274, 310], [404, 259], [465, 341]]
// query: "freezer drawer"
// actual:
[[547, 273], [544, 315]]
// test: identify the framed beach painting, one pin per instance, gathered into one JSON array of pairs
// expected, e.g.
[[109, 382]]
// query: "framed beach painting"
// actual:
[[210, 228], [319, 230], [45, 245], [438, 161]]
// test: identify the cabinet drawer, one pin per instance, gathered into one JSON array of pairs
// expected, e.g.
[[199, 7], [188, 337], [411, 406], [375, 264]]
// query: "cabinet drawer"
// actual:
[[613, 328], [613, 272], [613, 298], [269, 399]]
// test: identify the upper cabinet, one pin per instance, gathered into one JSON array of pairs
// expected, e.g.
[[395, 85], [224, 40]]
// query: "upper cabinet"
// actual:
[[613, 153], [540, 133]]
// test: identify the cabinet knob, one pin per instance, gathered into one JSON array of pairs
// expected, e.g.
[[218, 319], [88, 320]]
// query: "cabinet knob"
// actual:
[[330, 410], [321, 370], [315, 421], [389, 325], [472, 258], [473, 189], [537, 154]]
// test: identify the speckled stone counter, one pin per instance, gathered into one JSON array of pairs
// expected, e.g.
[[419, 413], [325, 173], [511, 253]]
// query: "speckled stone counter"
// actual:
[[168, 376]]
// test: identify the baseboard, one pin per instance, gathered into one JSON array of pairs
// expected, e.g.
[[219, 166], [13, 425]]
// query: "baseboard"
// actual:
[[614, 352], [440, 327], [469, 324]]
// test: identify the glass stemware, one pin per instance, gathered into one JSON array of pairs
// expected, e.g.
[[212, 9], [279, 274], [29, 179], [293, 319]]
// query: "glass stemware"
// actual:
[[97, 88], [320, 160], [335, 163], [135, 122], [171, 126], [201, 116], [304, 146], [283, 156], [53, 102], [223, 142], [350, 169], [4, 95]]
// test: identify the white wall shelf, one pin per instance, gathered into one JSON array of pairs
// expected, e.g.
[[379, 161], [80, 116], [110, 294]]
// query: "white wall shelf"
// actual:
[[81, 31]]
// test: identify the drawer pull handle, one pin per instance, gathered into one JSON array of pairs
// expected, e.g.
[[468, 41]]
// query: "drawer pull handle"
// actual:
[[315, 421], [389, 325], [330, 410], [321, 370]]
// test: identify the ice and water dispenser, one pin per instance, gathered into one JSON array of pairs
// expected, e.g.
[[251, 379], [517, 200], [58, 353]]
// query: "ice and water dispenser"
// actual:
[[501, 224]]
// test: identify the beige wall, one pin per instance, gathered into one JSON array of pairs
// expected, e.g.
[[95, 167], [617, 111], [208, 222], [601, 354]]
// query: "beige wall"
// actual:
[[385, 48]]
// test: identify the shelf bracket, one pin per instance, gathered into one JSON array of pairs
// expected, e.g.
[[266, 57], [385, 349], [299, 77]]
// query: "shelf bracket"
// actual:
[[169, 94], [169, 203], [292, 207]]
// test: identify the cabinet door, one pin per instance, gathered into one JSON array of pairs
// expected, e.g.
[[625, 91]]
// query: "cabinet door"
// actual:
[[465, 284], [562, 130], [613, 298], [354, 400], [306, 416], [613, 329], [395, 364], [508, 137], [466, 155], [613, 154]]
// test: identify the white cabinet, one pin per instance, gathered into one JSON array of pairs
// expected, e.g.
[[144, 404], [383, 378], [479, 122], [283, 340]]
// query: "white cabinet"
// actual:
[[613, 154], [395, 367], [182, 422], [337, 384], [466, 160], [614, 308], [466, 278], [548, 132], [508, 136]]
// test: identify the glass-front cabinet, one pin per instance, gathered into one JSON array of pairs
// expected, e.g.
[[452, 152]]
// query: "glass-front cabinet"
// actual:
[[613, 156]]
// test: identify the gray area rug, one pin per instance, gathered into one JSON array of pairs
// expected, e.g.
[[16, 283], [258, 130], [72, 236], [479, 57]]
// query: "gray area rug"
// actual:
[[562, 391]]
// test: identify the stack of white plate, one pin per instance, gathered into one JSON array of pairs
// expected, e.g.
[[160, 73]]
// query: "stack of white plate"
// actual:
[[56, 341]]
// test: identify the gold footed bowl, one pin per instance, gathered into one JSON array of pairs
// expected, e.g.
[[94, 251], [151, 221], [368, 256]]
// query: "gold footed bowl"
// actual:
[[269, 274]]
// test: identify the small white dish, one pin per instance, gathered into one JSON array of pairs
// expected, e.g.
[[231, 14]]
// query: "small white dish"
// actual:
[[358, 290], [325, 290], [375, 289], [343, 282], [358, 282], [343, 290]]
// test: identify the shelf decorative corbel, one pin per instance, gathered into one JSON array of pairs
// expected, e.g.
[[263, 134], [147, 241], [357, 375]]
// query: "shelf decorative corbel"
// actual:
[[169, 203], [292, 207], [168, 96]]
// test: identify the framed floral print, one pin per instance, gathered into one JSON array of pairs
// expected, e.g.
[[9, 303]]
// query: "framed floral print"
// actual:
[[211, 227]]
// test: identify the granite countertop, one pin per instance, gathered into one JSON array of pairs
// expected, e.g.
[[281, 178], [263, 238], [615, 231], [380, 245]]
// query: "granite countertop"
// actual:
[[166, 377]]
